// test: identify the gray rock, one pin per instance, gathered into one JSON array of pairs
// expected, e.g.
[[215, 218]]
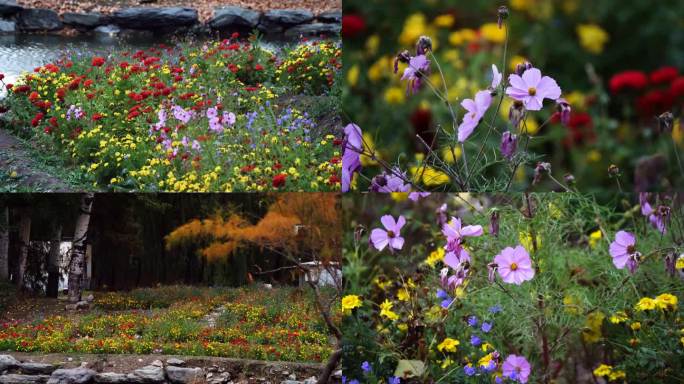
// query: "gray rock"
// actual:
[[175, 362], [84, 21], [39, 20], [90, 297], [221, 378], [290, 382], [108, 30], [23, 379], [330, 17], [111, 378], [7, 26], [9, 7], [155, 18], [7, 362], [182, 375], [311, 380], [82, 305], [148, 374], [274, 21], [313, 29], [231, 17], [78, 375], [37, 368]]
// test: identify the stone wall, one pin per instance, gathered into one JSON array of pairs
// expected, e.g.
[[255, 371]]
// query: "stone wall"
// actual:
[[291, 23], [23, 368]]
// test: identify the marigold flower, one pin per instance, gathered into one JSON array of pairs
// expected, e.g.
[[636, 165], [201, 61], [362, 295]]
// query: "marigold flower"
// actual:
[[448, 345], [350, 302]]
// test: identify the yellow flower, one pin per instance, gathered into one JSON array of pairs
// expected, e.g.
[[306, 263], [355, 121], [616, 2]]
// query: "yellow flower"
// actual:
[[403, 294], [492, 32], [679, 264], [512, 63], [592, 37], [450, 156], [350, 302], [446, 363], [448, 345], [531, 126], [635, 326], [353, 75], [381, 68], [399, 196], [462, 36], [444, 21], [433, 177], [522, 5], [595, 237], [395, 95], [402, 327], [616, 375], [525, 239], [571, 304], [592, 331], [603, 370], [645, 304], [434, 257], [666, 301], [372, 44], [369, 146], [618, 317], [414, 27], [386, 310]]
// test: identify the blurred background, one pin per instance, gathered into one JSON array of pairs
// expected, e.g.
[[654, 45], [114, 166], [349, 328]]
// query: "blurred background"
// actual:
[[618, 63]]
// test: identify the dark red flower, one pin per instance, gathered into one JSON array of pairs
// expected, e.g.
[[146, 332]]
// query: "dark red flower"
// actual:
[[97, 117], [628, 79], [677, 87], [36, 119], [352, 25], [98, 61], [279, 180], [34, 96], [663, 75], [654, 102], [580, 129]]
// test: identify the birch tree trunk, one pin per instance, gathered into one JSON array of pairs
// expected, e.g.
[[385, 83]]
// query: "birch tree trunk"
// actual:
[[4, 243], [53, 262], [78, 249], [24, 238]]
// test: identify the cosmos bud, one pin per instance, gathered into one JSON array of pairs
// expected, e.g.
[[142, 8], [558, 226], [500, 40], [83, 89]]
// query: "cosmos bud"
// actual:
[[509, 143], [516, 113], [665, 121], [522, 67], [564, 110], [501, 15], [423, 45]]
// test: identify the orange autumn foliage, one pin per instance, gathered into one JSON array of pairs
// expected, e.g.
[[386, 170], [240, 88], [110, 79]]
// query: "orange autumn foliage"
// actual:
[[295, 223]]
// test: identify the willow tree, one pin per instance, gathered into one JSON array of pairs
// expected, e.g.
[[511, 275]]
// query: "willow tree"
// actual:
[[78, 249], [296, 226]]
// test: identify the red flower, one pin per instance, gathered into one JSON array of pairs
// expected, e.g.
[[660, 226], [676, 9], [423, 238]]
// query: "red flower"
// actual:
[[97, 117], [34, 96], [2, 76], [258, 67], [98, 61], [279, 180], [663, 75], [36, 119], [352, 25], [9, 86], [333, 180], [20, 89], [654, 102], [677, 87], [628, 79]]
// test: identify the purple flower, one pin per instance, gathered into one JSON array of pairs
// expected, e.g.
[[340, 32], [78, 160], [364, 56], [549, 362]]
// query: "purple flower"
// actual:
[[495, 309], [623, 249], [366, 367], [418, 67], [228, 118], [446, 299], [390, 182], [394, 380], [469, 370], [514, 265], [212, 113], [441, 294], [354, 382], [351, 158], [531, 88], [564, 109], [475, 340], [486, 327], [476, 109], [509, 143], [455, 232], [472, 321], [496, 76], [415, 196], [516, 368], [390, 235], [181, 114]]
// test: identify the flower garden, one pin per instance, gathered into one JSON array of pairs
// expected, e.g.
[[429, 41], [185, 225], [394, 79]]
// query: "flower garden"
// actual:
[[513, 288], [226, 115], [511, 96], [255, 323]]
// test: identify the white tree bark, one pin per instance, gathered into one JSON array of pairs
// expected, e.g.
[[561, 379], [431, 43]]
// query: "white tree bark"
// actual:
[[78, 249], [4, 243], [53, 262], [24, 238]]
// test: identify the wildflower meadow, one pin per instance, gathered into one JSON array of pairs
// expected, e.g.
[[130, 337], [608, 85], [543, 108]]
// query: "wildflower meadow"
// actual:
[[512, 96], [513, 288], [208, 116]]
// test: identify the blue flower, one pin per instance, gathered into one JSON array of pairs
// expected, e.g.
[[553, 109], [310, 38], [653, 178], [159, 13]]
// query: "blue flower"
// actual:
[[394, 380], [366, 366], [486, 327], [446, 303], [472, 321], [469, 370], [344, 379], [441, 294], [495, 309], [354, 382], [498, 380], [475, 341]]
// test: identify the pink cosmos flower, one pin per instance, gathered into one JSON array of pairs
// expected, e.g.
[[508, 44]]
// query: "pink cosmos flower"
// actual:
[[476, 109], [516, 368], [351, 160], [415, 196], [496, 76], [418, 67], [514, 265], [623, 249], [389, 236], [531, 88], [455, 232]]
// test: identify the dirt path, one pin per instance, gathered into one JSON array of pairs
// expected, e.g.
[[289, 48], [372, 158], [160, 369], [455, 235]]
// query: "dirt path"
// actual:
[[19, 170]]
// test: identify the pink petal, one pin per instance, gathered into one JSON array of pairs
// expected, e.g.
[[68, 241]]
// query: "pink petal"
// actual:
[[532, 103], [451, 260], [465, 129], [625, 238], [400, 223], [396, 243], [483, 99], [388, 222], [531, 77], [620, 261], [548, 88], [469, 105], [517, 83], [472, 230], [379, 239]]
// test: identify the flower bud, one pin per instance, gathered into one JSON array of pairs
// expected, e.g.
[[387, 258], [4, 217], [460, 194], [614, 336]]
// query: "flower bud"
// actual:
[[522, 67], [539, 170], [564, 110], [516, 113], [509, 143], [501, 15], [613, 170], [404, 57], [670, 263], [494, 224], [423, 45], [569, 178], [665, 122]]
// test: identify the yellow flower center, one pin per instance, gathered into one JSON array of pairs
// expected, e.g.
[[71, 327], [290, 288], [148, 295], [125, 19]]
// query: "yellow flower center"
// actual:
[[532, 91], [514, 266]]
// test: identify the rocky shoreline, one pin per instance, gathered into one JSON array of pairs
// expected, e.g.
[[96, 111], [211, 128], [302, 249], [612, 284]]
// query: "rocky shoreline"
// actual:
[[114, 369], [290, 23]]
